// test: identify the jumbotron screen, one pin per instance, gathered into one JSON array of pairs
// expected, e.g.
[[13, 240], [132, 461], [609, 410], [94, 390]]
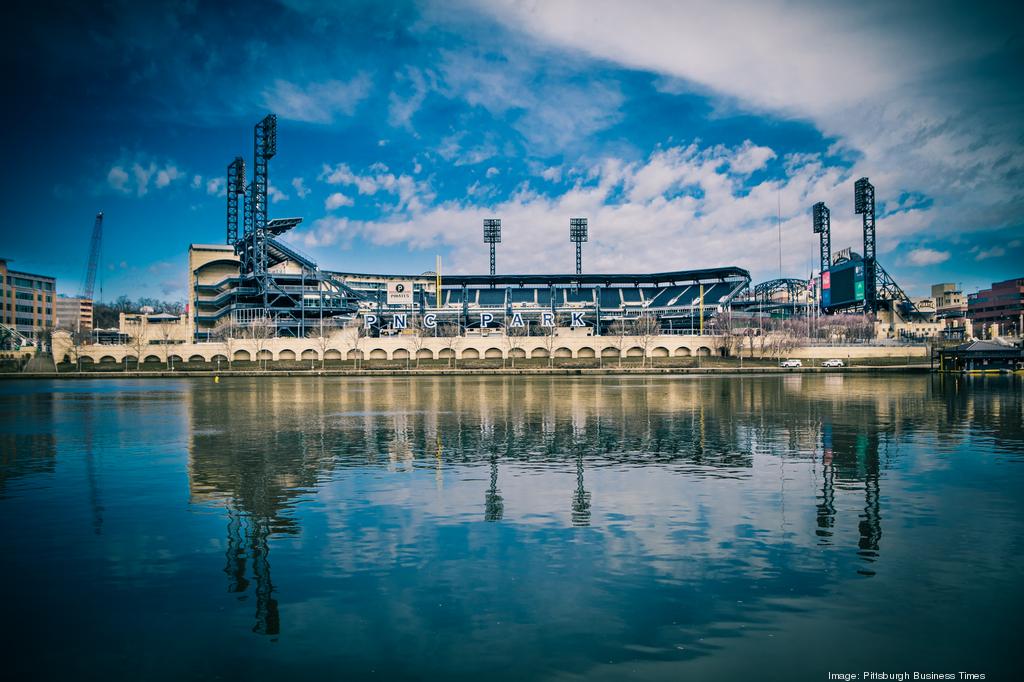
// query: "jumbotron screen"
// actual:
[[843, 284]]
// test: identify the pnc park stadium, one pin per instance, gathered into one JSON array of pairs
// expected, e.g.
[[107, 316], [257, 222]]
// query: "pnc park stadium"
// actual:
[[255, 277]]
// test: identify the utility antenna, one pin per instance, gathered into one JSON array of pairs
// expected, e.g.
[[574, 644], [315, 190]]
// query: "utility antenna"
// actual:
[[779, 220]]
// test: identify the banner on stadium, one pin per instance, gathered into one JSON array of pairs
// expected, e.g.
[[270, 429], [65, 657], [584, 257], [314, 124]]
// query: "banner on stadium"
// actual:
[[399, 293]]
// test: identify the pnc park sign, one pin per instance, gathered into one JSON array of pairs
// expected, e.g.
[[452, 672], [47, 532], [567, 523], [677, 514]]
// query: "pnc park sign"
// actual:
[[401, 320]]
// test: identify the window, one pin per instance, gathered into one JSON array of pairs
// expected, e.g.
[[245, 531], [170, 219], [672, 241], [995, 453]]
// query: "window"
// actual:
[[24, 308], [25, 295]]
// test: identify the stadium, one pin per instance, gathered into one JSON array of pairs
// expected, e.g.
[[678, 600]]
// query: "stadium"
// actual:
[[255, 279]]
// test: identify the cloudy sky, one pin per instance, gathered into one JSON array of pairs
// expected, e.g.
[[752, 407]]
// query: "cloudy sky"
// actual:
[[683, 131]]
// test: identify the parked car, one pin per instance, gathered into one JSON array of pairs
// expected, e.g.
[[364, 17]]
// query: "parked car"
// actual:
[[832, 363], [791, 363]]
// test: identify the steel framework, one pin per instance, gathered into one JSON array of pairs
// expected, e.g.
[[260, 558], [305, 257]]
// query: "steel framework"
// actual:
[[492, 236], [293, 299], [264, 149], [235, 187], [864, 204], [578, 235]]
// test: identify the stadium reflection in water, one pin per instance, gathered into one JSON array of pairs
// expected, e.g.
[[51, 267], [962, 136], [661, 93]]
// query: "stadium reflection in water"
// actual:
[[545, 526]]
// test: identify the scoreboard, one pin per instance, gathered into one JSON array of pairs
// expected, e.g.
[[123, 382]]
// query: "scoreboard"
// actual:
[[843, 284]]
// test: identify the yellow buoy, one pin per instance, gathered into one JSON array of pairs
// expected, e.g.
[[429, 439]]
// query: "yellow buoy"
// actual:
[[216, 379]]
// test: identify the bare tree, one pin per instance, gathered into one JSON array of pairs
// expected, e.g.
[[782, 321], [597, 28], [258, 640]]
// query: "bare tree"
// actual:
[[165, 331], [512, 340], [419, 337], [451, 333], [137, 341], [550, 341], [227, 333], [619, 330], [260, 331], [78, 339], [645, 328], [323, 335]]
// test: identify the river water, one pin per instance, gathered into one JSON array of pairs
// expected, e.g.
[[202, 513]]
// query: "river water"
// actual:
[[778, 527]]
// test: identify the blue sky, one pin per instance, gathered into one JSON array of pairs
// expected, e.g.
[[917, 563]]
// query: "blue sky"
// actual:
[[682, 131]]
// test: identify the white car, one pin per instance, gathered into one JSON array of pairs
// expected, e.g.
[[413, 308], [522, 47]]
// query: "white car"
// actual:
[[832, 363], [791, 363]]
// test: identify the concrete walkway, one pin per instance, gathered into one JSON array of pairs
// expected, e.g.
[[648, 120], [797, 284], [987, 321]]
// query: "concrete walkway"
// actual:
[[434, 371]]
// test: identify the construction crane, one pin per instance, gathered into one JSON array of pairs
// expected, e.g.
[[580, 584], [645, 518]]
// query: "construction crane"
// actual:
[[94, 257]]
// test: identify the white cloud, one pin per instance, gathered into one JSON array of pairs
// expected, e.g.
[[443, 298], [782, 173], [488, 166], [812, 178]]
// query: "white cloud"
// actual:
[[492, 171], [167, 175], [751, 158], [401, 109], [909, 92], [317, 102], [994, 252], [925, 256], [134, 176], [117, 178], [197, 181], [337, 200], [276, 194], [300, 187], [216, 187], [683, 207], [412, 195], [552, 113]]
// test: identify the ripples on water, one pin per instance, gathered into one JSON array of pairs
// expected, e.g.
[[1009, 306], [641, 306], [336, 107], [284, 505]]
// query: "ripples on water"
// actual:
[[521, 528]]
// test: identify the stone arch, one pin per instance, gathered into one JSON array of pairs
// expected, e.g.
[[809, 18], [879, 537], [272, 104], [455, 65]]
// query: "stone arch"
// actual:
[[334, 354], [401, 354], [517, 353], [153, 358], [107, 359], [471, 354], [286, 354], [586, 352], [219, 358], [563, 352], [378, 354], [539, 353], [425, 354], [240, 355], [196, 358], [493, 353], [67, 358], [703, 351], [683, 352], [659, 352], [723, 351], [635, 352], [445, 354], [127, 358], [264, 355], [174, 358], [86, 360], [310, 354], [610, 352]]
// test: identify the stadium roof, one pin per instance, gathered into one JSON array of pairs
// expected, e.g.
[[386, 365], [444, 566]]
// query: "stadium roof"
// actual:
[[707, 274]]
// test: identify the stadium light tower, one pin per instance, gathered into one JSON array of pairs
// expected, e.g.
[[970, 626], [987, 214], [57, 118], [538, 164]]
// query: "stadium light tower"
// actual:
[[823, 227], [864, 204], [492, 236], [578, 235], [236, 187]]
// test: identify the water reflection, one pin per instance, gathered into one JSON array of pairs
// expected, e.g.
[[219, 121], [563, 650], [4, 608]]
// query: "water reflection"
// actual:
[[260, 448]]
